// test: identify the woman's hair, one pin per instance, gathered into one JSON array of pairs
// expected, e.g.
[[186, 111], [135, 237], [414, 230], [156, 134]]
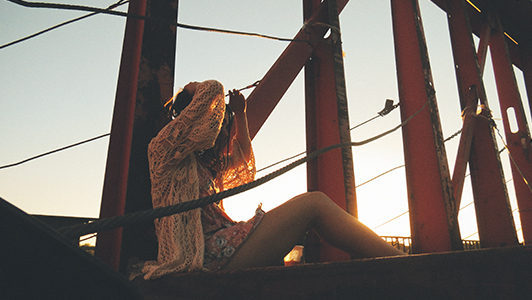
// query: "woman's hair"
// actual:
[[180, 101], [214, 158]]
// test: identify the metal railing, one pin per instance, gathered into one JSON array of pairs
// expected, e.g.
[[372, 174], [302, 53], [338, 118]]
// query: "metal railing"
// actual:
[[403, 243]]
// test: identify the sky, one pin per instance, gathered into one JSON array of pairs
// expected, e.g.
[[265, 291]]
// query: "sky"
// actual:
[[59, 88]]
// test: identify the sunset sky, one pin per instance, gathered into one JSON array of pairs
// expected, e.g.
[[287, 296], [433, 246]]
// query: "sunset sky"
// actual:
[[59, 88]]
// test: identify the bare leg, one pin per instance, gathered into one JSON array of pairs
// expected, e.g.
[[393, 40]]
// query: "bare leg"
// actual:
[[283, 226]]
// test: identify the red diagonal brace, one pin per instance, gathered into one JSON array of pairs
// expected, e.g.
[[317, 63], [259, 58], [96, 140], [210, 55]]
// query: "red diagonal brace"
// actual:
[[494, 220], [464, 147], [483, 46], [278, 79]]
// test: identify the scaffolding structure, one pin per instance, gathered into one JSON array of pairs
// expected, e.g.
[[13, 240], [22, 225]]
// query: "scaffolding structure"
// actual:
[[434, 191]]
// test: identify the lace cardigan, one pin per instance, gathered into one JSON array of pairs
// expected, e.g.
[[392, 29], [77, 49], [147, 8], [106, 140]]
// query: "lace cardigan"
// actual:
[[174, 178]]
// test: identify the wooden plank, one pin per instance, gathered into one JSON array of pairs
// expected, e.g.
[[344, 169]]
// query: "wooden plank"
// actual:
[[499, 273]]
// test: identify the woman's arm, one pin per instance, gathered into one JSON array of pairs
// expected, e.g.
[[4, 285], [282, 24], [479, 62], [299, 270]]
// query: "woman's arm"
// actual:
[[237, 103]]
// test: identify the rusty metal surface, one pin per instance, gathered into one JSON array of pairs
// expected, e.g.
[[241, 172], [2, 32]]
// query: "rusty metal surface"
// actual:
[[433, 222], [108, 243], [469, 116], [517, 139], [280, 76], [515, 19], [151, 85], [328, 124], [495, 223]]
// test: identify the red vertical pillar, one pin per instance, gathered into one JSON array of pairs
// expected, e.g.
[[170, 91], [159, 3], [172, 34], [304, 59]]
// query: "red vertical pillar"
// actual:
[[434, 226], [517, 139], [494, 219], [328, 124], [108, 243]]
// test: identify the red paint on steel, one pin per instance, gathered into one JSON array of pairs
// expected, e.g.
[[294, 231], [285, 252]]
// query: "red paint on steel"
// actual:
[[327, 173], [469, 117], [517, 140], [264, 98], [433, 225], [108, 243], [494, 221]]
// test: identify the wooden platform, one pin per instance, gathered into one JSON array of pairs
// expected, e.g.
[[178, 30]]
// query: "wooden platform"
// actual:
[[504, 273], [38, 263]]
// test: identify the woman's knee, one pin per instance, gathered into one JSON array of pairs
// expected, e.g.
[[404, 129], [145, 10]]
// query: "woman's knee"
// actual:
[[316, 200]]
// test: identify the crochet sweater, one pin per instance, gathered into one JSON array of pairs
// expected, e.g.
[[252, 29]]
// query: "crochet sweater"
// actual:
[[175, 179]]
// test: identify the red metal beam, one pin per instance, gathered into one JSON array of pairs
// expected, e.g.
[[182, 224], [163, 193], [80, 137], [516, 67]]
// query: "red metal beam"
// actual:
[[328, 124], [108, 243], [280, 76], [494, 221], [434, 226], [518, 139], [483, 46]]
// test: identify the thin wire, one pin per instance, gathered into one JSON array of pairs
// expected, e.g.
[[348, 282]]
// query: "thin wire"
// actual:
[[89, 140], [470, 235], [89, 237], [392, 219], [382, 174], [396, 217], [512, 158], [382, 113], [54, 151], [147, 18], [113, 6]]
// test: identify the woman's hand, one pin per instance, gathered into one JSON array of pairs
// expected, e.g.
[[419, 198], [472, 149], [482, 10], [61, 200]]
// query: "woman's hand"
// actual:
[[237, 102]]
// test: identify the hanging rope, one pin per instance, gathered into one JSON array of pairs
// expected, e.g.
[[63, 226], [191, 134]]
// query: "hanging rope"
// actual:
[[148, 215]]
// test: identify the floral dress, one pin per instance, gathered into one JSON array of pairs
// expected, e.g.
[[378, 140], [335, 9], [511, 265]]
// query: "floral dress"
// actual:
[[223, 236]]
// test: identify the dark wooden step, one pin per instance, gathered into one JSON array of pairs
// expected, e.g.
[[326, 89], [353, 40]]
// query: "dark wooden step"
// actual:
[[502, 273]]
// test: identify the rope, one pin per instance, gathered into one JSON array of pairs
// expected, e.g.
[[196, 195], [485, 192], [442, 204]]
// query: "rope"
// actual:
[[146, 18], [159, 212], [256, 83]]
